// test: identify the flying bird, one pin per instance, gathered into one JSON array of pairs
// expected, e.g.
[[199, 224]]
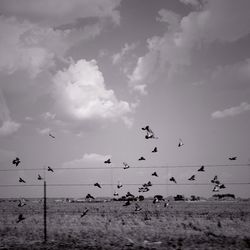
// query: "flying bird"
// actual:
[[97, 185], [137, 207], [16, 161], [21, 180], [20, 218], [232, 158], [89, 196], [216, 188], [116, 194], [155, 150], [50, 169], [52, 136], [221, 186], [21, 203], [119, 185], [180, 143], [149, 184], [154, 174], [84, 212], [127, 203], [126, 166], [215, 180], [39, 177], [201, 169], [108, 161], [141, 159], [173, 179], [192, 178], [151, 136]]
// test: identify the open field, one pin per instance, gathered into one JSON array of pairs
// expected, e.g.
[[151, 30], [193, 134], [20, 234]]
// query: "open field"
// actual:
[[110, 225]]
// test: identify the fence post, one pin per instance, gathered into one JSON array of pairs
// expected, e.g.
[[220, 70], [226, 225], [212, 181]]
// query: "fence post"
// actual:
[[44, 212]]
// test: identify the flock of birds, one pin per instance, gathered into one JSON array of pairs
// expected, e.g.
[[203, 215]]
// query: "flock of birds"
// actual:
[[144, 188]]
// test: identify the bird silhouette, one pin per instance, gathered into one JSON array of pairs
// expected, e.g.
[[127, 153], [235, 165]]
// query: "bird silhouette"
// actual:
[[97, 185], [50, 169], [21, 180], [108, 161], [216, 188], [173, 179], [89, 196], [137, 207], [201, 169], [155, 200], [232, 158], [192, 178], [126, 166], [154, 174], [20, 218], [84, 212], [151, 136], [116, 194], [119, 185], [149, 184], [16, 161], [143, 189], [21, 203], [221, 186], [155, 150], [180, 143], [127, 203], [52, 136], [39, 177], [141, 159], [215, 180]]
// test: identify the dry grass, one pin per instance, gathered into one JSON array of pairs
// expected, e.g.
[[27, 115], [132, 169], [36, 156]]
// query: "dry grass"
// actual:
[[183, 225]]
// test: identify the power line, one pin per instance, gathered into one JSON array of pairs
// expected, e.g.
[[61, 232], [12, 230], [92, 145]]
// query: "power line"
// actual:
[[124, 184], [144, 167]]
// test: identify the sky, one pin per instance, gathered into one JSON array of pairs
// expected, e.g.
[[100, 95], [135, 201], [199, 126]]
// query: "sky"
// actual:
[[93, 73]]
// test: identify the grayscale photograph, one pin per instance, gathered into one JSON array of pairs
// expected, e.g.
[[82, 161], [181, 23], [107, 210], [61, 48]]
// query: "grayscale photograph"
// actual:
[[124, 124]]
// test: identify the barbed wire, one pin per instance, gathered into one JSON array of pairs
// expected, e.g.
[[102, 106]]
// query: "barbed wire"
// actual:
[[145, 167]]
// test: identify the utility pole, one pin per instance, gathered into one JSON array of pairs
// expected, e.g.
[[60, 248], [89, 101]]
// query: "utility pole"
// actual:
[[44, 212]]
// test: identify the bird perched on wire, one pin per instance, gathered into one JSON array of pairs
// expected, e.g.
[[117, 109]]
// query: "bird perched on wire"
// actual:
[[39, 177], [21, 203], [180, 143], [201, 169], [126, 166], [192, 178], [97, 185], [155, 150], [108, 161], [84, 212], [154, 174], [52, 136], [141, 159], [22, 180], [16, 161], [20, 218], [232, 158], [50, 169], [173, 179]]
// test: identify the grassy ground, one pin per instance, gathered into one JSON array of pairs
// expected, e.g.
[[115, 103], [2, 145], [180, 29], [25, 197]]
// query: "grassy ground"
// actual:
[[110, 225]]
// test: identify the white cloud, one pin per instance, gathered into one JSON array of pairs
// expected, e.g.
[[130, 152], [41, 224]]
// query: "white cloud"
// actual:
[[80, 93], [8, 125], [217, 21], [59, 12], [243, 107], [48, 116], [87, 159], [44, 131], [116, 58], [191, 2], [170, 17]]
